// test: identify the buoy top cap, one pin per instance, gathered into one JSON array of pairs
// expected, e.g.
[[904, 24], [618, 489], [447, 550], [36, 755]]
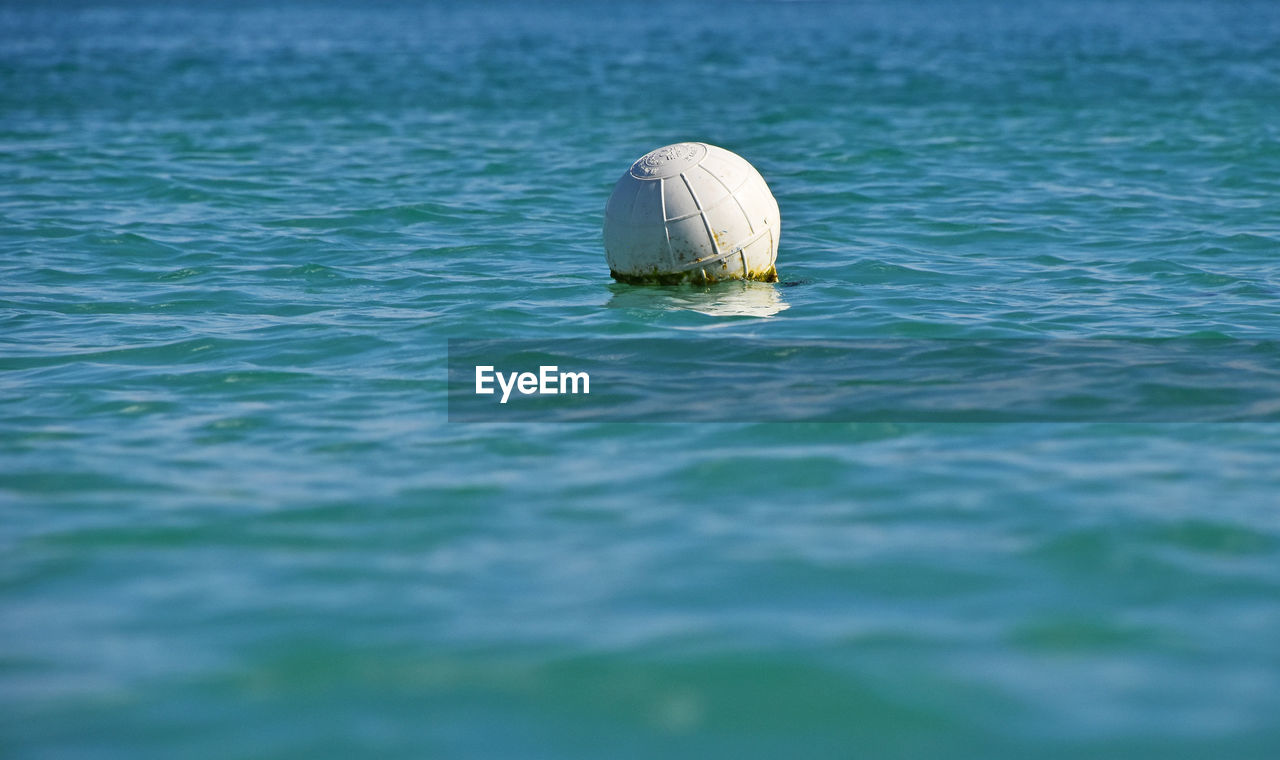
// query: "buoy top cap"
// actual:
[[668, 161]]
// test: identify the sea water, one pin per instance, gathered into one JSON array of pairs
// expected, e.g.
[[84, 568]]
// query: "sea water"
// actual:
[[235, 521]]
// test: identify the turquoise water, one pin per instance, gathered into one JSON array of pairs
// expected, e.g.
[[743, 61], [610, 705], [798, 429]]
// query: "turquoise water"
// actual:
[[236, 523]]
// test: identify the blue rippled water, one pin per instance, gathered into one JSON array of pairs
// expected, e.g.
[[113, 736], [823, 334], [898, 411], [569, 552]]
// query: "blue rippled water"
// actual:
[[234, 241]]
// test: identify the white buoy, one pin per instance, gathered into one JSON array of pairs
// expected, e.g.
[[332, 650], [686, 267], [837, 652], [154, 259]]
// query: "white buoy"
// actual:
[[691, 212]]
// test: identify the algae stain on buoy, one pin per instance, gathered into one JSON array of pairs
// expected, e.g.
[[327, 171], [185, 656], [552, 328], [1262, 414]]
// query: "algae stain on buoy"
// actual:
[[691, 212]]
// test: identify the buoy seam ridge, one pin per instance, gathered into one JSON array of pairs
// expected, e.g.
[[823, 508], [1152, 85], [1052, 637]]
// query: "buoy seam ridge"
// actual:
[[734, 195], [636, 208], [666, 229], [713, 206], [722, 256], [706, 220], [689, 186]]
